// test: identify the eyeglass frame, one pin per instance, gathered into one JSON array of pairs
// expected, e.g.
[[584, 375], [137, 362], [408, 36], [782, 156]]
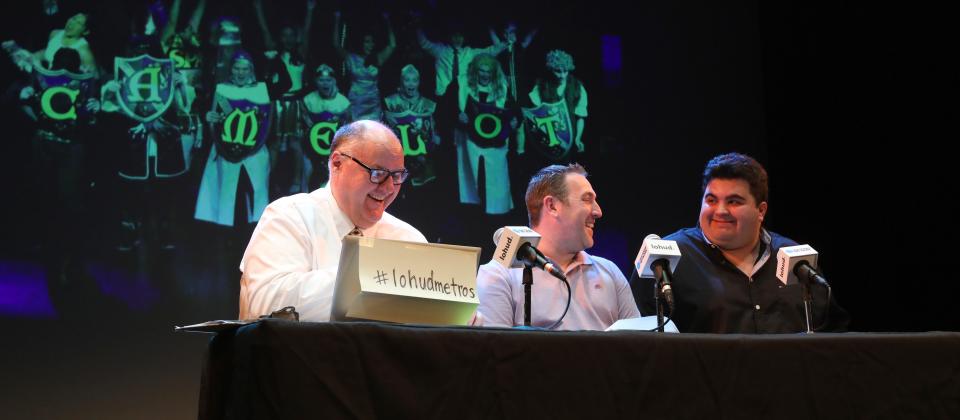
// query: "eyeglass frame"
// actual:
[[404, 173]]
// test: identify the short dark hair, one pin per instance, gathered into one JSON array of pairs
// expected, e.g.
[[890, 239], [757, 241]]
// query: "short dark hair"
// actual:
[[548, 181], [738, 166]]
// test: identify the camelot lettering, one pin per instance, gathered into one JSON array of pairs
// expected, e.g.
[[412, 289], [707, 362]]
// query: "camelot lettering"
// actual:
[[478, 126], [320, 135]]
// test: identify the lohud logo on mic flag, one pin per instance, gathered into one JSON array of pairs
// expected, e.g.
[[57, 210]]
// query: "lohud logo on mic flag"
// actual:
[[146, 86], [489, 125], [510, 238], [244, 130], [506, 249], [549, 130], [323, 126], [653, 249], [789, 256], [411, 127], [62, 95]]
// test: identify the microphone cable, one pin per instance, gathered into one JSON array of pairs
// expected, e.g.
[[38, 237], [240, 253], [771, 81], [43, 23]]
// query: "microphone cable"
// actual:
[[666, 320], [826, 311], [569, 298]]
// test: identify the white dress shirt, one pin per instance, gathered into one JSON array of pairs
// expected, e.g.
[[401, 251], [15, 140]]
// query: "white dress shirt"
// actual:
[[294, 252]]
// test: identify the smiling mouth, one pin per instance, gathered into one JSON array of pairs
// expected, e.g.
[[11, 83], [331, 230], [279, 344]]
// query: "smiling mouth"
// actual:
[[379, 200]]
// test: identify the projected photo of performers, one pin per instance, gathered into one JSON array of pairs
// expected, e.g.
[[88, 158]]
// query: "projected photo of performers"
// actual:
[[171, 125]]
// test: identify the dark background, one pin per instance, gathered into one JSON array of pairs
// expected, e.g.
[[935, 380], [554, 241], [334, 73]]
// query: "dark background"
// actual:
[[850, 106]]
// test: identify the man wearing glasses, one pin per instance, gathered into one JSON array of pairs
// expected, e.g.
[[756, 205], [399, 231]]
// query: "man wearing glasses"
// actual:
[[292, 257]]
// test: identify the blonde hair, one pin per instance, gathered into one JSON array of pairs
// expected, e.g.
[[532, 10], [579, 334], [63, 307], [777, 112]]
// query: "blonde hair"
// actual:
[[498, 81], [560, 60]]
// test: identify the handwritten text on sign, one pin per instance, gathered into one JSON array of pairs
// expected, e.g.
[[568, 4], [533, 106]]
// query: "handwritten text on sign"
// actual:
[[409, 280], [418, 270]]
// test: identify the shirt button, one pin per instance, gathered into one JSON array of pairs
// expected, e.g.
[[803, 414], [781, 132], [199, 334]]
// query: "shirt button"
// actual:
[[757, 307]]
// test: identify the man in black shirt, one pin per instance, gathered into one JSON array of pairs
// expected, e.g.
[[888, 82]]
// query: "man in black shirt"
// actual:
[[726, 279]]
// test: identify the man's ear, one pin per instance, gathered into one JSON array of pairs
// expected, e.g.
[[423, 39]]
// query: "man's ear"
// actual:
[[335, 162], [550, 205]]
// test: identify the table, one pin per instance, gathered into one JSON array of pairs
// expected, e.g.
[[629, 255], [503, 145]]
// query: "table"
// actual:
[[287, 370]]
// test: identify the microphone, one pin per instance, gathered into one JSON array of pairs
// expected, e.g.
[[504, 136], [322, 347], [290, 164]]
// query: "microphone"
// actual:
[[796, 263], [655, 259], [516, 247]]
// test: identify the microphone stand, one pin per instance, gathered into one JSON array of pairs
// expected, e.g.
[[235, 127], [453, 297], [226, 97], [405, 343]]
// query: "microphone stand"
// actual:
[[807, 277], [527, 282], [807, 298], [807, 302], [658, 299]]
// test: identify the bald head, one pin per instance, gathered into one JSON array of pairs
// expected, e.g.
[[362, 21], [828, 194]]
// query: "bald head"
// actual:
[[359, 133], [355, 145]]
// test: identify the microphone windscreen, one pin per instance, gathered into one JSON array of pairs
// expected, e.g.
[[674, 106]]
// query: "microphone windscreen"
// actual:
[[654, 249]]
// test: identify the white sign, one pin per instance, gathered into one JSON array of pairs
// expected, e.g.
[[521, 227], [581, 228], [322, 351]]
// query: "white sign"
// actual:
[[407, 282]]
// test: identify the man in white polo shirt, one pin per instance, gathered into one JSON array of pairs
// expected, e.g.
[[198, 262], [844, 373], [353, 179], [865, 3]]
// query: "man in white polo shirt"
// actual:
[[563, 209]]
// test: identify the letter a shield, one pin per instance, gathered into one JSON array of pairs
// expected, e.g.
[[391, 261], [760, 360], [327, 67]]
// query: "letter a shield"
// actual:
[[146, 86]]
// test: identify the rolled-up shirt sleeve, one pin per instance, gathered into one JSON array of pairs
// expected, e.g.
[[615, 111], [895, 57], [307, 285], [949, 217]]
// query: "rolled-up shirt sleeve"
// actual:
[[278, 268]]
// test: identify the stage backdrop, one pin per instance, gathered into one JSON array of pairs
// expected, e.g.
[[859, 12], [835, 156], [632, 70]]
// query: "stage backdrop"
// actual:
[[848, 107]]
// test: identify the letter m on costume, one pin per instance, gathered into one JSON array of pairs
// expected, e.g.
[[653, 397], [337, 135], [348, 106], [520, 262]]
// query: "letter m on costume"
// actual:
[[244, 129], [146, 85]]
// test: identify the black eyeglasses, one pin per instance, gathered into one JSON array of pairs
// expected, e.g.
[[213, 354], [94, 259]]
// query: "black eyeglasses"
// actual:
[[378, 176]]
